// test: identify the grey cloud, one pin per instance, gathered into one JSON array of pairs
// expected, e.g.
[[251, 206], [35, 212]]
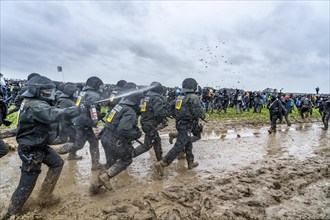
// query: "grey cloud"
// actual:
[[118, 38]]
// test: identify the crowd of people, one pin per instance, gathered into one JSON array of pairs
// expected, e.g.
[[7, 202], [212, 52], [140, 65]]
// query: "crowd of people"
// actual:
[[65, 114]]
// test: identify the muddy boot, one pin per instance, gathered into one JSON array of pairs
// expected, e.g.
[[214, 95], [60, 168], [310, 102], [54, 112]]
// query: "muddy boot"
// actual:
[[160, 167], [64, 149], [102, 167], [46, 198], [96, 165], [171, 136], [5, 214], [192, 165], [96, 184], [105, 179], [51, 200], [272, 130], [73, 156]]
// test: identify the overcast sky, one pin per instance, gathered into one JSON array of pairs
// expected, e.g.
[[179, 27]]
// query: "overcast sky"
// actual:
[[241, 44]]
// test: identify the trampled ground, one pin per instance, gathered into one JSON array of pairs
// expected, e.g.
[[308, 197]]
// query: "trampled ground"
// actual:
[[244, 173]]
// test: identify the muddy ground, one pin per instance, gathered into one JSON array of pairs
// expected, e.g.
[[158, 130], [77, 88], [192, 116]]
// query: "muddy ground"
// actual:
[[244, 173]]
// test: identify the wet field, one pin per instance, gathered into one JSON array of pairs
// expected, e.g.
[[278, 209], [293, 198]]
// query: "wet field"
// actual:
[[243, 173]]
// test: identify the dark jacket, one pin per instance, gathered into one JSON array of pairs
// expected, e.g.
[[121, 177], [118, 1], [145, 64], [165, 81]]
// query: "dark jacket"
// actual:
[[188, 107], [65, 101], [122, 121], [275, 107], [154, 108], [35, 122], [87, 98]]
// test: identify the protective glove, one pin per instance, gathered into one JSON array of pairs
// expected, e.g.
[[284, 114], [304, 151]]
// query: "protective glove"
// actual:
[[102, 115], [72, 112], [137, 134], [83, 108], [7, 123]]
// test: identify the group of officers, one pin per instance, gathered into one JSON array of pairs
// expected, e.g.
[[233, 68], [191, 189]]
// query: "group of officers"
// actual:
[[43, 110]]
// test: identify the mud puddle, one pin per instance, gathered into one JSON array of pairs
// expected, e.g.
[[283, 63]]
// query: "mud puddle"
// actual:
[[243, 173]]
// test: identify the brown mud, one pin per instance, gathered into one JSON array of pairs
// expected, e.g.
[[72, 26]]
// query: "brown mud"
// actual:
[[244, 173]]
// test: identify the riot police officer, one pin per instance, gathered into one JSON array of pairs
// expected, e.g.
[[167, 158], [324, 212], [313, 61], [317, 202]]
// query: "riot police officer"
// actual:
[[154, 110], [3, 114], [326, 113], [87, 120], [34, 133], [19, 98], [188, 108], [115, 95], [66, 127], [121, 129]]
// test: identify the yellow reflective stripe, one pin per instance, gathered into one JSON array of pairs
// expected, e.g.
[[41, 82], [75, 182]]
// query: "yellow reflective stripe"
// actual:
[[178, 104], [144, 107], [109, 119], [78, 101], [112, 98]]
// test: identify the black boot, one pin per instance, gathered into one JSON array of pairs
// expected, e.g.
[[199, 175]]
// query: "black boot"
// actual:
[[160, 167], [192, 165], [21, 194], [47, 187]]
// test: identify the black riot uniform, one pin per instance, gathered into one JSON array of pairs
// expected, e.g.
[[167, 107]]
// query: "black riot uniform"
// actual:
[[3, 114], [66, 127], [34, 133], [121, 129], [154, 110], [88, 119], [275, 111], [326, 114], [116, 94], [19, 98], [188, 109]]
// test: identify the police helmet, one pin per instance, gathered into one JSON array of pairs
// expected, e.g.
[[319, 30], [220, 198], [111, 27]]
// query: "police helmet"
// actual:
[[69, 89], [189, 83], [132, 93], [94, 82], [40, 87], [31, 75], [121, 83], [156, 87]]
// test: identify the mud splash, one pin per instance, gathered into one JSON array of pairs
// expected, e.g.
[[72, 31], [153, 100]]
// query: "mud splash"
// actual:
[[244, 173]]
